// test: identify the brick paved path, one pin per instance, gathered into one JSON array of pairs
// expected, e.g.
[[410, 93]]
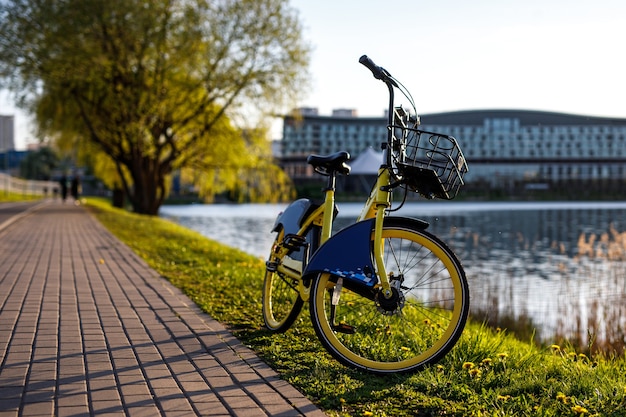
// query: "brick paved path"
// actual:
[[87, 328]]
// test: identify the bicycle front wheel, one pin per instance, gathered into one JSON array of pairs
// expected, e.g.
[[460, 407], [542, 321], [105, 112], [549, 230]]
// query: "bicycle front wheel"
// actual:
[[281, 297], [414, 328]]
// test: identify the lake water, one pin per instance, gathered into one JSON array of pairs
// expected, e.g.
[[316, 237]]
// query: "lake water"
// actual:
[[561, 264]]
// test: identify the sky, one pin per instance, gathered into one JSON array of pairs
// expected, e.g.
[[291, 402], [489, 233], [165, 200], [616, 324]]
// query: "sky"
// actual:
[[22, 126], [554, 55]]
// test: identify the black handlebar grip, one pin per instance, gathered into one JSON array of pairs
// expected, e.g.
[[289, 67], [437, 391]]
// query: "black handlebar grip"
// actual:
[[378, 72]]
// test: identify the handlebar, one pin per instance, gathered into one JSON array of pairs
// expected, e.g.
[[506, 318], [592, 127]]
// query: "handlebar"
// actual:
[[379, 72], [382, 74]]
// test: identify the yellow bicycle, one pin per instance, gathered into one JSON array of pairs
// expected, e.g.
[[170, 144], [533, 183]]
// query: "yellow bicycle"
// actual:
[[384, 294]]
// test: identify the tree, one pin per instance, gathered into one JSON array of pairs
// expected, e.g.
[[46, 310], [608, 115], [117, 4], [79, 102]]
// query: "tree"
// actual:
[[157, 86], [38, 165]]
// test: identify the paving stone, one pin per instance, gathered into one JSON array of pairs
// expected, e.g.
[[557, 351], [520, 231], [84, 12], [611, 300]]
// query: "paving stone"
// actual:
[[87, 328]]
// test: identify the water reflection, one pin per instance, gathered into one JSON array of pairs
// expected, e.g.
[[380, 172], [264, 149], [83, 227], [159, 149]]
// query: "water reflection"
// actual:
[[244, 226], [560, 264]]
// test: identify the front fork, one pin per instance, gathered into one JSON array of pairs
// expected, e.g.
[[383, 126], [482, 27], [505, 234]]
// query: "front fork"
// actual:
[[377, 203], [379, 247]]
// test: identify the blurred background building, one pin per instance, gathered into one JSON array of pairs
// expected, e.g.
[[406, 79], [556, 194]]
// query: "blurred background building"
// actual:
[[505, 149], [7, 128]]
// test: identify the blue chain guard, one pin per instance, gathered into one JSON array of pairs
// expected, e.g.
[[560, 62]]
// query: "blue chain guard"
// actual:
[[347, 254]]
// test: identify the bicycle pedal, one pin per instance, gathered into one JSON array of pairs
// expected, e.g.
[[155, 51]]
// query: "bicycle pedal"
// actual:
[[344, 328], [271, 266], [294, 242]]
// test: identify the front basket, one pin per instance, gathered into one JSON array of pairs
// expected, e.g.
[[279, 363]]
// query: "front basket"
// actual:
[[431, 164]]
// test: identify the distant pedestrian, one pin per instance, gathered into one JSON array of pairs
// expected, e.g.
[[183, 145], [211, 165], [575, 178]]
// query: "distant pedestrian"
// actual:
[[63, 184], [75, 189]]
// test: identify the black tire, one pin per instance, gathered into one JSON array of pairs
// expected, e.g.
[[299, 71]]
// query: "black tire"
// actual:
[[281, 297]]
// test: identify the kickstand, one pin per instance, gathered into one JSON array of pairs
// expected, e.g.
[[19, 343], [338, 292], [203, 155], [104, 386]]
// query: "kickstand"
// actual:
[[341, 327]]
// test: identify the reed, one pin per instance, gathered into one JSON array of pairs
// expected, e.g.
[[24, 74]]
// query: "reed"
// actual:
[[590, 295]]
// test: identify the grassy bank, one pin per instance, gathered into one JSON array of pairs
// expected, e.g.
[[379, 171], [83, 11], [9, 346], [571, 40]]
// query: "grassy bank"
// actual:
[[488, 373], [13, 197]]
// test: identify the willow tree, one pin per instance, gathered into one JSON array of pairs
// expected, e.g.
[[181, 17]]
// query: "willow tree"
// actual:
[[158, 86]]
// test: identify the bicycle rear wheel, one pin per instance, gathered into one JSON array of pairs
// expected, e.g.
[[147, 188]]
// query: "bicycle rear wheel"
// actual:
[[281, 298], [416, 327]]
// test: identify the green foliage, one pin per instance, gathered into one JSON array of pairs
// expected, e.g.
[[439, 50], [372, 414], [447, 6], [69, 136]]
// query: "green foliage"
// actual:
[[253, 175], [159, 86], [488, 373], [38, 165]]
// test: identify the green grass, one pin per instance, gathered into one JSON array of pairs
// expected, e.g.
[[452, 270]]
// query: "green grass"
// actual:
[[488, 373], [12, 197]]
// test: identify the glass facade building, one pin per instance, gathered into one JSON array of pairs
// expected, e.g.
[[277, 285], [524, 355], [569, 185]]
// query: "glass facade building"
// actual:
[[500, 145]]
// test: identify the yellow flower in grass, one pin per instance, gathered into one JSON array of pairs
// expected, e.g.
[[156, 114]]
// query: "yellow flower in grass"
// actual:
[[555, 348], [562, 398], [468, 365], [503, 356], [486, 362], [475, 372], [503, 397], [368, 413], [578, 409]]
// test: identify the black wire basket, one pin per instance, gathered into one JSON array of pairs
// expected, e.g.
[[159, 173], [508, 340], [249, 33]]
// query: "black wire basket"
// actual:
[[429, 163]]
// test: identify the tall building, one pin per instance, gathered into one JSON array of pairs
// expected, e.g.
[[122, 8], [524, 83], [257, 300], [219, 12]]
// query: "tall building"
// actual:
[[7, 129], [501, 146]]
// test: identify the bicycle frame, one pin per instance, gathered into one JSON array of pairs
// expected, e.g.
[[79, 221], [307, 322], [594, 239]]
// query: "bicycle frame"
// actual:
[[375, 208], [322, 216]]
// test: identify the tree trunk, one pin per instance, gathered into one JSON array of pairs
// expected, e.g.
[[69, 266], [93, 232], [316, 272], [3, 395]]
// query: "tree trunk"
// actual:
[[147, 191], [118, 198]]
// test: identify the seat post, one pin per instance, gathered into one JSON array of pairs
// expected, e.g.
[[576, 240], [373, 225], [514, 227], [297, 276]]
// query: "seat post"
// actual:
[[331, 182], [329, 207]]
